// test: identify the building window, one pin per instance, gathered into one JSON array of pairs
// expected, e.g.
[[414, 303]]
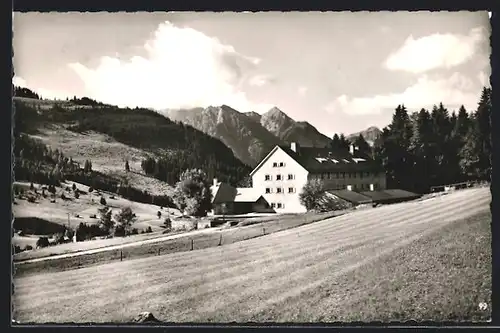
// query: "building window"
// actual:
[[343, 174], [291, 190], [290, 177], [354, 174], [273, 205], [278, 190], [329, 175], [275, 164], [361, 175], [279, 205], [282, 164], [348, 175], [268, 177], [268, 190], [278, 177], [336, 175], [367, 174]]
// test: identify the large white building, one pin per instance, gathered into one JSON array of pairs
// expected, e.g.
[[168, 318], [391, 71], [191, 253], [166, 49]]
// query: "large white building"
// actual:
[[282, 174]]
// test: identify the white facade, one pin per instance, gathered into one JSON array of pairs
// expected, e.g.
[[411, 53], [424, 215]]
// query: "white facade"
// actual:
[[280, 179]]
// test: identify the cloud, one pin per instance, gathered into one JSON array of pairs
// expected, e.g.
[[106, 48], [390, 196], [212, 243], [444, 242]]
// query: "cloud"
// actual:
[[19, 81], [484, 79], [302, 90], [44, 93], [260, 80], [435, 51], [183, 68], [452, 92]]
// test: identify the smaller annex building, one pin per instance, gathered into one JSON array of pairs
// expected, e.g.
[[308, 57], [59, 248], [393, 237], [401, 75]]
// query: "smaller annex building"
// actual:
[[374, 197], [227, 199]]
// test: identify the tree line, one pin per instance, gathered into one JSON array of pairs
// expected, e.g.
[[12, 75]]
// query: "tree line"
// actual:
[[433, 147]]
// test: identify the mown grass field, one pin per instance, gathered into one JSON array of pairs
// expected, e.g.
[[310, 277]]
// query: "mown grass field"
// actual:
[[422, 260]]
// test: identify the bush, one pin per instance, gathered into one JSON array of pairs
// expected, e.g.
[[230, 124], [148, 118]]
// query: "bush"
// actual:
[[77, 195], [119, 231], [74, 187], [32, 187], [28, 248], [168, 223], [59, 239], [159, 214], [103, 201], [42, 242], [63, 196], [149, 230], [31, 199], [91, 189], [17, 249], [134, 231]]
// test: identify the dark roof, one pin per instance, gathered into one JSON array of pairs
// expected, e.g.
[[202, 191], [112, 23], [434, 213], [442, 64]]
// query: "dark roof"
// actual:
[[391, 195], [326, 160], [381, 196], [224, 192], [351, 196]]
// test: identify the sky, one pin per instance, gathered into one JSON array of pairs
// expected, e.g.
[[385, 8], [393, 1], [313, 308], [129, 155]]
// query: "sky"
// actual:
[[340, 71]]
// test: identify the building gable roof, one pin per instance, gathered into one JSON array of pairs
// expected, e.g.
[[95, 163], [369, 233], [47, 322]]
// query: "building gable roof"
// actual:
[[224, 192]]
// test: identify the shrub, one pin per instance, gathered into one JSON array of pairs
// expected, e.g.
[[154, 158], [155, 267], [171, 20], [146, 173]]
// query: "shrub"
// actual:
[[32, 187], [134, 231], [168, 223], [28, 248], [119, 231], [74, 187], [312, 194], [91, 189], [77, 195], [63, 196], [103, 201], [159, 214], [59, 238], [125, 218], [31, 199], [149, 230], [42, 242], [17, 249]]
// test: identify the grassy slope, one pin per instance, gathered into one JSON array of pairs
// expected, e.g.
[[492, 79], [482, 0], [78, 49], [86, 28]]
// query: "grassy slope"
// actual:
[[83, 206], [364, 265]]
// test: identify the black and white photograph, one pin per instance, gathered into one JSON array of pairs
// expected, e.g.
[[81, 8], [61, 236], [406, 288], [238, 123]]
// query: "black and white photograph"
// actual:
[[176, 168]]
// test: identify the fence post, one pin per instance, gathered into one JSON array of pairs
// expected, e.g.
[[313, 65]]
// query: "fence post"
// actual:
[[264, 231], [192, 244], [220, 239], [121, 255]]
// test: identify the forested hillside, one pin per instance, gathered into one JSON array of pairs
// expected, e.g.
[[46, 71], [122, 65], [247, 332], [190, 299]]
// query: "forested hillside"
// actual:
[[177, 147], [432, 148]]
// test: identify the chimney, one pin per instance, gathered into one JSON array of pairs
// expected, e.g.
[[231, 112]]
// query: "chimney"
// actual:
[[349, 187], [352, 148], [372, 187], [294, 146], [215, 181]]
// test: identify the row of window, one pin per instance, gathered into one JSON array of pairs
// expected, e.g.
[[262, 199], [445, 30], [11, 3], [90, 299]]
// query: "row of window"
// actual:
[[355, 187], [277, 205], [278, 165], [343, 175], [280, 177], [280, 190]]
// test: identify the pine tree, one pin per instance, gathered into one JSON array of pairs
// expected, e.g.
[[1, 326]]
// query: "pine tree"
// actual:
[[127, 166]]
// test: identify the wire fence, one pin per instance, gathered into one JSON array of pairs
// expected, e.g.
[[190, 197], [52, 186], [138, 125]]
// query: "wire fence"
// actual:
[[457, 186], [191, 242]]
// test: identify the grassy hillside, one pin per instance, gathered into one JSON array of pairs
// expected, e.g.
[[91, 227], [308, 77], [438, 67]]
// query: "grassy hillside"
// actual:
[[423, 260], [99, 129]]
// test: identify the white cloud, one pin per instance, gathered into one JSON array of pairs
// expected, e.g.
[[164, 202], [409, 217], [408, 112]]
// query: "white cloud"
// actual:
[[484, 79], [452, 92], [259, 80], [184, 68], [19, 81], [302, 90], [435, 51]]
